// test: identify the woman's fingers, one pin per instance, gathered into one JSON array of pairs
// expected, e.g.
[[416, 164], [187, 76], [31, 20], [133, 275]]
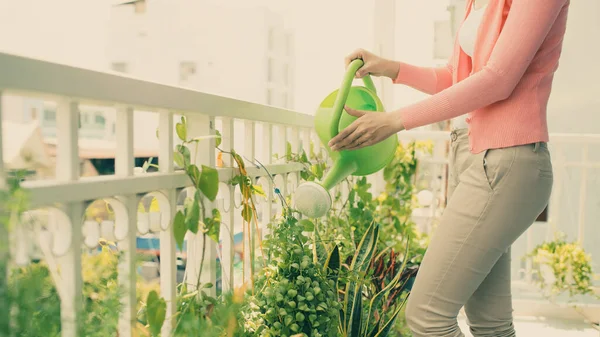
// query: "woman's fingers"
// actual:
[[360, 142], [344, 137], [357, 54]]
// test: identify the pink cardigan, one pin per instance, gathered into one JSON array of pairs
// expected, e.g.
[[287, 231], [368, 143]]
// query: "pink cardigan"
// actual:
[[506, 86]]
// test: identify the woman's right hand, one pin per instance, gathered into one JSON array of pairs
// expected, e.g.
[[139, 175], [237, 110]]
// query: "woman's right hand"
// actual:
[[373, 64]]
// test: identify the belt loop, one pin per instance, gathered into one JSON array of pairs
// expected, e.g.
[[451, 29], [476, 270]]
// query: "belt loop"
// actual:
[[536, 147]]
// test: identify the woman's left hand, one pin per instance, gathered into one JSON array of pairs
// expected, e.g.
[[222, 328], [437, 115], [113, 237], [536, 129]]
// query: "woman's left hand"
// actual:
[[370, 128]]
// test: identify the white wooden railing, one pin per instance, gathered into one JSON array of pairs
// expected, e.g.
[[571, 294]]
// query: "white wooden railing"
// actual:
[[65, 198]]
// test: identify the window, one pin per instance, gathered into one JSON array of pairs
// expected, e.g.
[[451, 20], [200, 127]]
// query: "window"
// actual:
[[186, 70], [271, 39], [270, 70], [99, 119], [288, 44], [286, 74], [49, 117], [119, 67]]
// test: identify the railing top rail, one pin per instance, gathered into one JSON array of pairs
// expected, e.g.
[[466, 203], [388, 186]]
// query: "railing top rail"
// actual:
[[23, 75]]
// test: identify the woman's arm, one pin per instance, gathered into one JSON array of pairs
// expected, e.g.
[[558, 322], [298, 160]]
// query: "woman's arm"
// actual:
[[525, 29], [425, 79]]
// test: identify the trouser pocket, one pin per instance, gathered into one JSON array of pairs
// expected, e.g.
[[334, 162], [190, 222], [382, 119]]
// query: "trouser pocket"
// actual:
[[496, 164]]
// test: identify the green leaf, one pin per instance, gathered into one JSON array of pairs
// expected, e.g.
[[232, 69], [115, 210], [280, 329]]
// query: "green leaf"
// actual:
[[181, 131], [307, 225], [334, 260], [178, 159], [219, 139], [355, 321], [247, 213], [156, 310], [365, 250], [185, 151], [192, 216], [213, 226], [193, 172], [258, 190], [238, 159], [179, 228], [390, 324], [209, 182]]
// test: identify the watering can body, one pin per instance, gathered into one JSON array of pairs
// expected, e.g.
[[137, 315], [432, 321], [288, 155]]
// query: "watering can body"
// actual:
[[330, 119]]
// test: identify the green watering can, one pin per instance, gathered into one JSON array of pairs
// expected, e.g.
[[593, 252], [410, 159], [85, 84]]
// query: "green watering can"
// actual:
[[313, 199]]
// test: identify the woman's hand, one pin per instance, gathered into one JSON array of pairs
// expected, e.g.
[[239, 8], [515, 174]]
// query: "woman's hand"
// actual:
[[373, 64], [370, 128]]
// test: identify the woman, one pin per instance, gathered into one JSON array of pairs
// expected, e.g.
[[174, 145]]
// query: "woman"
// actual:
[[497, 85]]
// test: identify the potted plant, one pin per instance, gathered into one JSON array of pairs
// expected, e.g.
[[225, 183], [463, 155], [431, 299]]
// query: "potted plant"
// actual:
[[560, 266]]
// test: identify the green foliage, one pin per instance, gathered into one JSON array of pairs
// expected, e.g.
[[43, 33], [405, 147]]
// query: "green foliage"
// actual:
[[293, 295], [371, 308], [37, 303], [562, 267]]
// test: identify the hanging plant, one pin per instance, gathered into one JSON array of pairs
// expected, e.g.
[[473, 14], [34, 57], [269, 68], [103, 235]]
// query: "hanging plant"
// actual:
[[562, 267]]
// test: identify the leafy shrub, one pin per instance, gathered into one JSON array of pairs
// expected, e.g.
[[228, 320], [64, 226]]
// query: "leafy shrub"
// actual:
[[293, 295]]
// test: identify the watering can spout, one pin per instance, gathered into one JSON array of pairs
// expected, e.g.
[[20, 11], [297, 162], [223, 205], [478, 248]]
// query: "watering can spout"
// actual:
[[314, 200]]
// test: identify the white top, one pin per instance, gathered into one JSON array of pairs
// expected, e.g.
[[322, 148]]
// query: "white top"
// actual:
[[466, 38]]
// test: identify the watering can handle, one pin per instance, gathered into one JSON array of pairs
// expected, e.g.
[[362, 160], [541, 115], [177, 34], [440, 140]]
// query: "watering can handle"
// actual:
[[342, 95]]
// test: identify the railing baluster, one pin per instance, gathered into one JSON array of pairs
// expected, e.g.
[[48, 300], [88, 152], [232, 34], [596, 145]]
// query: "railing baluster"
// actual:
[[227, 232], [583, 191], [124, 164], [197, 245], [305, 141], [558, 167], [281, 143], [67, 169], [296, 149], [168, 257], [267, 158], [249, 152]]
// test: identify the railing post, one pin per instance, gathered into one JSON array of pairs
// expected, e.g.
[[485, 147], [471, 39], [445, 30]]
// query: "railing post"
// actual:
[[583, 191], [124, 164], [554, 207], [198, 245], [67, 169], [168, 257], [267, 158], [249, 152], [227, 251]]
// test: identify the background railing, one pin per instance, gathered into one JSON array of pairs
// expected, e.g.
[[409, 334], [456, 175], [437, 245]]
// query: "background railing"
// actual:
[[58, 205]]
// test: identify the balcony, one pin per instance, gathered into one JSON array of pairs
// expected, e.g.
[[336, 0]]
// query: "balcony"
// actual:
[[55, 227]]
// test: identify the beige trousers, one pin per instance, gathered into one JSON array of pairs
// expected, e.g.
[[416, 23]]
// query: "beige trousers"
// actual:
[[494, 197]]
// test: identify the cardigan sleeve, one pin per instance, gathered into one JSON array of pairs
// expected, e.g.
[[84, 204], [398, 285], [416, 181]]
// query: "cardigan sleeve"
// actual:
[[526, 27], [425, 79]]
